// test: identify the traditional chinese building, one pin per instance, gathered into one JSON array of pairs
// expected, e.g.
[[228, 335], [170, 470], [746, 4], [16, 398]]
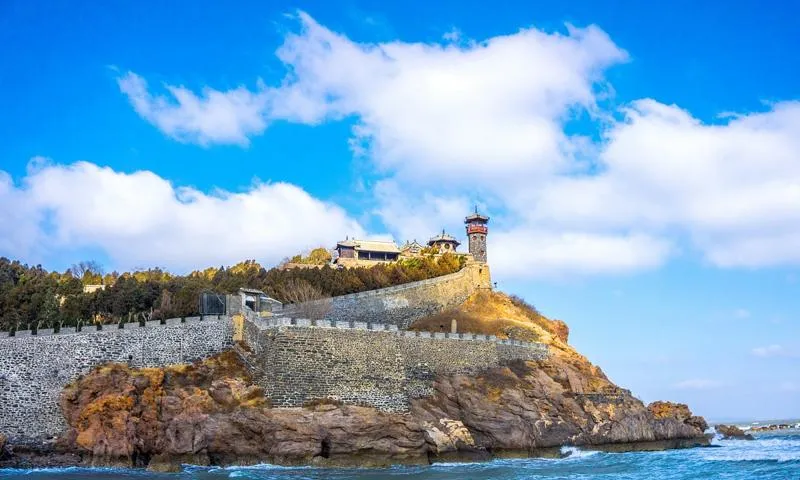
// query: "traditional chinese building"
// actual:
[[476, 232], [411, 248], [444, 243], [354, 251]]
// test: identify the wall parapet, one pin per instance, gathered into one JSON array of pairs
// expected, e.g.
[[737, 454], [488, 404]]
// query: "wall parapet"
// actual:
[[402, 304], [88, 329], [303, 323]]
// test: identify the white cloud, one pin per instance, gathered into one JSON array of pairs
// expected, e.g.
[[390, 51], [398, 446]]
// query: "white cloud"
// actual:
[[402, 211], [213, 116], [530, 253], [445, 123], [742, 313], [731, 188], [488, 111], [698, 384], [774, 351], [448, 122], [141, 219], [18, 220]]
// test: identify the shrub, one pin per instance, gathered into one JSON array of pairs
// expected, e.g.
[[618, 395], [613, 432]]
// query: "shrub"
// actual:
[[316, 402]]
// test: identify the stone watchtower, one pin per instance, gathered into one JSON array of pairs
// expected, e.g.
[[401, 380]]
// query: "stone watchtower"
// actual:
[[476, 231]]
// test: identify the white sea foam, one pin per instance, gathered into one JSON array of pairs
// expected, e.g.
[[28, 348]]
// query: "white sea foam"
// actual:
[[764, 449], [575, 452]]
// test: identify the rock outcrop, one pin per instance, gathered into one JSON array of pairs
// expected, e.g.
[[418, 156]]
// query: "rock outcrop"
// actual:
[[732, 432], [679, 411], [774, 426], [210, 413], [529, 406]]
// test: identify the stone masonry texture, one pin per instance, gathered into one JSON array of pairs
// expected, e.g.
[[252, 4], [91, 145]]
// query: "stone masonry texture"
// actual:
[[359, 355], [403, 304], [35, 368], [379, 368]]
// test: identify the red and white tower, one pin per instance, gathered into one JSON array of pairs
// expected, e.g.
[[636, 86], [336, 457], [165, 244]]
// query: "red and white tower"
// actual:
[[476, 232]]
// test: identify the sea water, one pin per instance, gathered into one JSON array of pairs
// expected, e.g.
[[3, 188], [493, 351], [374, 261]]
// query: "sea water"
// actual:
[[773, 455]]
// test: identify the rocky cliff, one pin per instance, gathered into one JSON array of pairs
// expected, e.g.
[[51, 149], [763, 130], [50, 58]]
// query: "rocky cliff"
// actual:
[[211, 413]]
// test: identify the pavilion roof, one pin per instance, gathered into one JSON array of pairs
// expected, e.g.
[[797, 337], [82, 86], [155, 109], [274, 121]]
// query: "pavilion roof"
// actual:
[[414, 244], [476, 216], [443, 237], [370, 245]]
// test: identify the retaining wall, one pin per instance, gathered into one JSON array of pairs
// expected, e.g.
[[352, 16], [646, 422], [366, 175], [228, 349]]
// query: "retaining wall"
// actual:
[[401, 305], [379, 367], [35, 368]]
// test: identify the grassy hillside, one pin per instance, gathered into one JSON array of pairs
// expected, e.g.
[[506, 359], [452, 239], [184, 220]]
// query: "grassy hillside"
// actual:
[[507, 316]]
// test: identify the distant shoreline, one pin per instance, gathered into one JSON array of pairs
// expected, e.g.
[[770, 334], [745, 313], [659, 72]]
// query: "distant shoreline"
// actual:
[[742, 423]]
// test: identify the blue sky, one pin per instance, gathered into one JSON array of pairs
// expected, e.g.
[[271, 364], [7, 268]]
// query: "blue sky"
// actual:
[[641, 163]]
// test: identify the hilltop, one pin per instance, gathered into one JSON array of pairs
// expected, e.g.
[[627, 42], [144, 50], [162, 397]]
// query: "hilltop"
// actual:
[[32, 297]]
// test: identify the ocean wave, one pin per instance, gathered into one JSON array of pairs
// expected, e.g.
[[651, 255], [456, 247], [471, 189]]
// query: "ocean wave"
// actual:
[[773, 457], [762, 449], [575, 452]]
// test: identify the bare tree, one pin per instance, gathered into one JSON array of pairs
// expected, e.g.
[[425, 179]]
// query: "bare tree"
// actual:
[[80, 269], [164, 306], [309, 301]]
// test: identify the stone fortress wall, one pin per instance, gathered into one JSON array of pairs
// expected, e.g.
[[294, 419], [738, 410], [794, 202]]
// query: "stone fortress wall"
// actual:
[[362, 357], [297, 361], [35, 368], [401, 305]]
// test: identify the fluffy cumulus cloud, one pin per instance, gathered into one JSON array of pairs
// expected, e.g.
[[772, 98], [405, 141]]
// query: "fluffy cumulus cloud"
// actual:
[[141, 219], [448, 122], [18, 220], [487, 111], [212, 117], [525, 253], [732, 188]]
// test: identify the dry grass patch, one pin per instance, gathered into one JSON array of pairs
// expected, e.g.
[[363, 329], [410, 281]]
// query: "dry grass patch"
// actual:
[[494, 313]]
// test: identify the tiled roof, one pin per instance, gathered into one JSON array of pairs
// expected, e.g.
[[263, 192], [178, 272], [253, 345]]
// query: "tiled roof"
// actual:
[[371, 245], [443, 237], [476, 216]]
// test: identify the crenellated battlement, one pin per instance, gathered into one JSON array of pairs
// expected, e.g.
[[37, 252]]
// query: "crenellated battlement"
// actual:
[[282, 322], [89, 329]]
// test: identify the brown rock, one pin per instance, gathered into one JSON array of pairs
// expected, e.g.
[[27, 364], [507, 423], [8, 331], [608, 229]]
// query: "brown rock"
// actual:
[[732, 432], [561, 330], [661, 410], [448, 436], [531, 405], [210, 413], [773, 427], [190, 414]]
